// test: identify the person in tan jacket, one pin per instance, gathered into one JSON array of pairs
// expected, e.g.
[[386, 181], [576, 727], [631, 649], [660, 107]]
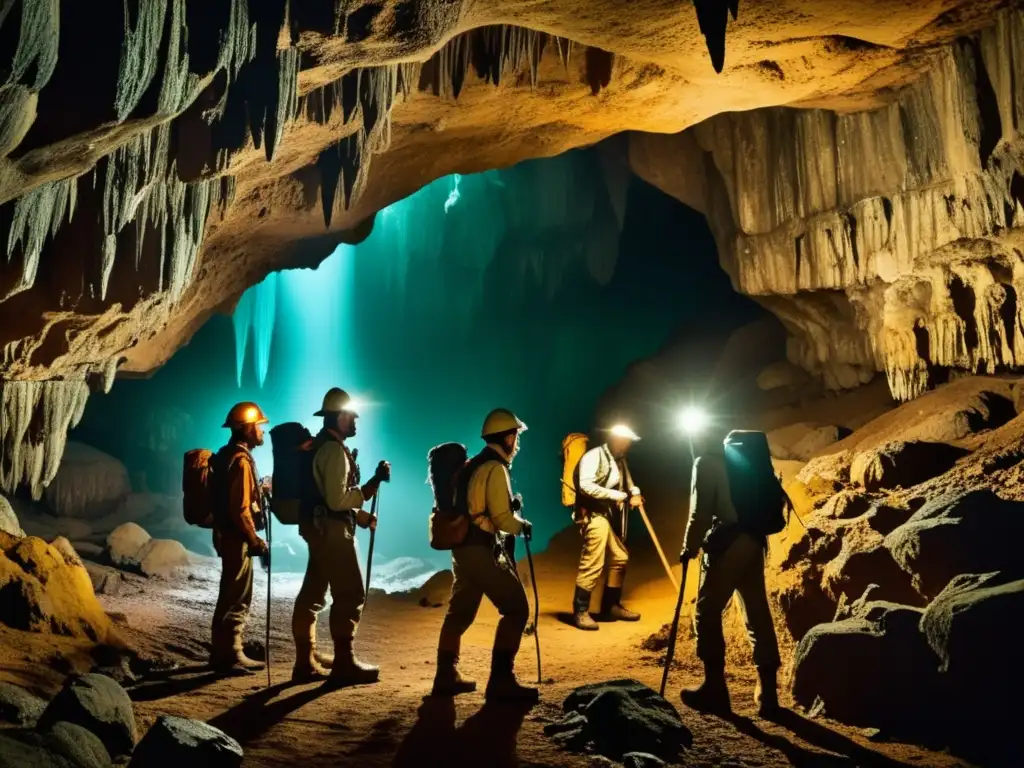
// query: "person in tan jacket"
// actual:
[[238, 514], [329, 531], [482, 565]]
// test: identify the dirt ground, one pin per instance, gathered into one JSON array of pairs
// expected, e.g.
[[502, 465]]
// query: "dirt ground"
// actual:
[[394, 723]]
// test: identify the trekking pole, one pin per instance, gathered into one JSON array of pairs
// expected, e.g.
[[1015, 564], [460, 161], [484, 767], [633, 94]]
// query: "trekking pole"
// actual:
[[267, 562], [657, 546], [671, 651], [536, 605], [373, 534]]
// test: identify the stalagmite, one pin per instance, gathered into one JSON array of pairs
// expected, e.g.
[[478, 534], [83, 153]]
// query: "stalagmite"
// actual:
[[35, 417]]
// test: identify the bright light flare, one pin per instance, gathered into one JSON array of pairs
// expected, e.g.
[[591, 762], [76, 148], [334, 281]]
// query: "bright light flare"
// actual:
[[693, 420]]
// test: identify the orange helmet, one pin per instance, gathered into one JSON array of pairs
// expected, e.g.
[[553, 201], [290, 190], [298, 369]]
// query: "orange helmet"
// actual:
[[244, 413]]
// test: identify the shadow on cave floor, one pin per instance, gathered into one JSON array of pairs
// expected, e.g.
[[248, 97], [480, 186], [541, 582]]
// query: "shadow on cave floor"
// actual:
[[487, 737], [259, 712], [846, 752], [152, 688]]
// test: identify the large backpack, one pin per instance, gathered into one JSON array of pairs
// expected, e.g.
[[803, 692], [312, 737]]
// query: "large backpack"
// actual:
[[292, 447], [757, 495], [573, 447], [198, 495], [448, 525]]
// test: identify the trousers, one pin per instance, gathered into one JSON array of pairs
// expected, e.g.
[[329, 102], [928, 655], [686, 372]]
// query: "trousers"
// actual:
[[235, 596], [601, 546]]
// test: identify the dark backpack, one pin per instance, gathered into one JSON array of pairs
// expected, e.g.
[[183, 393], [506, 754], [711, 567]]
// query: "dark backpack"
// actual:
[[757, 495], [448, 525], [292, 447]]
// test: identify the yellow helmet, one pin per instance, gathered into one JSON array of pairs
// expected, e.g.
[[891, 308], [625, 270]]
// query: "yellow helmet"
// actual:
[[501, 420], [621, 430], [244, 413], [335, 401]]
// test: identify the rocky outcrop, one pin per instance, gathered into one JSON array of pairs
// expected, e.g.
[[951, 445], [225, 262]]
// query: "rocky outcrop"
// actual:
[[885, 240], [902, 464], [9, 520], [88, 484]]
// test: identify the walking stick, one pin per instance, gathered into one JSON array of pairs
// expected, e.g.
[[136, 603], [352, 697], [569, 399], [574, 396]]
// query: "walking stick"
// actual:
[[536, 606], [270, 565], [373, 534], [657, 546], [672, 633]]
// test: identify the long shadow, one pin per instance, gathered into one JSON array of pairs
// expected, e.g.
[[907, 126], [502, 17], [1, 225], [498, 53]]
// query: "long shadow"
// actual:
[[148, 690], [258, 713], [847, 752], [432, 738]]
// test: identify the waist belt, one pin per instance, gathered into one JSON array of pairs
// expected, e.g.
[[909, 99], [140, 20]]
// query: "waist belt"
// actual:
[[342, 516]]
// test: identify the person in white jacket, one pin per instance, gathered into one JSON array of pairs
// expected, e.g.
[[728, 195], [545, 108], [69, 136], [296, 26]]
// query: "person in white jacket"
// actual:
[[605, 494]]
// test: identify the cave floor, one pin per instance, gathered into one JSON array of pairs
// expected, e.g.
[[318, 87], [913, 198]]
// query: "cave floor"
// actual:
[[394, 723]]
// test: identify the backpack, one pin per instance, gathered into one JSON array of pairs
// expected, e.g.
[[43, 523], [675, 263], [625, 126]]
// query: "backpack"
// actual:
[[197, 488], [292, 448], [757, 495], [448, 526], [573, 447]]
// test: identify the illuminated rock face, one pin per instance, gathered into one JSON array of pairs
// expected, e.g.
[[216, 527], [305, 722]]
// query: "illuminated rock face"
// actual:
[[886, 240], [154, 168]]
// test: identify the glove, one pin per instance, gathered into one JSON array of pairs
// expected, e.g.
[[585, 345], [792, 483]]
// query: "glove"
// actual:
[[383, 472], [527, 530], [365, 520], [517, 502], [258, 547]]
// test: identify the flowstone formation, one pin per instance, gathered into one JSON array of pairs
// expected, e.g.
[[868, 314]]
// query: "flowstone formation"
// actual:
[[885, 240], [154, 167]]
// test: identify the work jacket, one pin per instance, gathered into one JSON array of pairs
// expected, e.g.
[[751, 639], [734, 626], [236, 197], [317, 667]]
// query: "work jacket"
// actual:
[[488, 496], [238, 492], [710, 499], [336, 473], [604, 487]]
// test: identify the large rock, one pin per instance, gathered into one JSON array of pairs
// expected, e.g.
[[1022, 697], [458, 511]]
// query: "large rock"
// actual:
[[100, 705], [38, 522], [126, 544], [902, 464], [854, 570], [972, 532], [436, 591], [18, 706], [89, 483], [872, 669], [79, 745], [799, 442], [28, 750], [47, 590], [974, 627], [105, 580], [621, 716], [177, 741], [9, 520], [846, 504], [978, 412], [162, 557]]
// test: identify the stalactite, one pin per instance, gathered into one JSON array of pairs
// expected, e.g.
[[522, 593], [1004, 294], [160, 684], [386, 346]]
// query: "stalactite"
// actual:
[[241, 321], [713, 17], [142, 37], [17, 113], [32, 218], [35, 417], [180, 86], [38, 42], [329, 165], [282, 109], [354, 166], [228, 188]]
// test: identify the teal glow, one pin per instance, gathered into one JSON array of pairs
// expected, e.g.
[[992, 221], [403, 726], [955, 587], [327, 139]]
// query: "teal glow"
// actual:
[[453, 196]]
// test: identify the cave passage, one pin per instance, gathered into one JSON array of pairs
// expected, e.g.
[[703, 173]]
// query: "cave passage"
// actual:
[[532, 288]]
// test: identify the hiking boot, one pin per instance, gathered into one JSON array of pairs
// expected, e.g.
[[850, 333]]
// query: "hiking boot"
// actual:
[[323, 659], [348, 670], [613, 608], [448, 681], [308, 671], [581, 611], [712, 695], [766, 694], [502, 685], [236, 664]]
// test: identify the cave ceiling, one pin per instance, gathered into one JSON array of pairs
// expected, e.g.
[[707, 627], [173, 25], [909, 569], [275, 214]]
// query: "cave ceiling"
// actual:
[[157, 157]]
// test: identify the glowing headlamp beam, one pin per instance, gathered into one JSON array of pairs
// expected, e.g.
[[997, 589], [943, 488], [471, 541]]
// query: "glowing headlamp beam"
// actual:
[[692, 421]]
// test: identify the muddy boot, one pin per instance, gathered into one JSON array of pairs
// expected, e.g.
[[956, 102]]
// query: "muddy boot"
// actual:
[[307, 669], [581, 611], [766, 694], [235, 663], [503, 686], [613, 609], [712, 695], [348, 670], [448, 681]]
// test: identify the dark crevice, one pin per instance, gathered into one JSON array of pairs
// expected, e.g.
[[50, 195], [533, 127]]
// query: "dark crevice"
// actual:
[[923, 342], [963, 304], [359, 23], [851, 221], [798, 246], [599, 68], [1008, 314], [990, 122]]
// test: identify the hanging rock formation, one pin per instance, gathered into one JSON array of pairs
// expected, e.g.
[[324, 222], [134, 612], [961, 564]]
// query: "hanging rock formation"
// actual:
[[154, 168]]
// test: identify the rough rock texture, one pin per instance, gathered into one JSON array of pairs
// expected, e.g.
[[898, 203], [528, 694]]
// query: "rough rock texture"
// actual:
[[125, 545], [436, 591], [45, 589], [9, 520], [77, 744], [799, 442], [162, 557], [208, 147], [886, 240], [88, 484], [902, 464], [18, 706], [101, 706], [180, 741]]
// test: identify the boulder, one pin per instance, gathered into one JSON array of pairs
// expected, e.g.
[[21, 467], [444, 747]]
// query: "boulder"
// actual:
[[846, 504], [125, 544], [18, 706], [28, 750], [162, 557], [799, 442], [105, 581], [179, 741], [903, 464], [854, 570], [88, 550], [801, 599], [79, 745], [872, 669], [979, 412], [89, 483], [47, 590], [436, 591], [641, 760], [974, 628], [626, 716], [966, 532], [9, 520], [98, 704]]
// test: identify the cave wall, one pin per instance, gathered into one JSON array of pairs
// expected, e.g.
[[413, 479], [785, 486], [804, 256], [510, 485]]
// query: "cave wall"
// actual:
[[886, 240]]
